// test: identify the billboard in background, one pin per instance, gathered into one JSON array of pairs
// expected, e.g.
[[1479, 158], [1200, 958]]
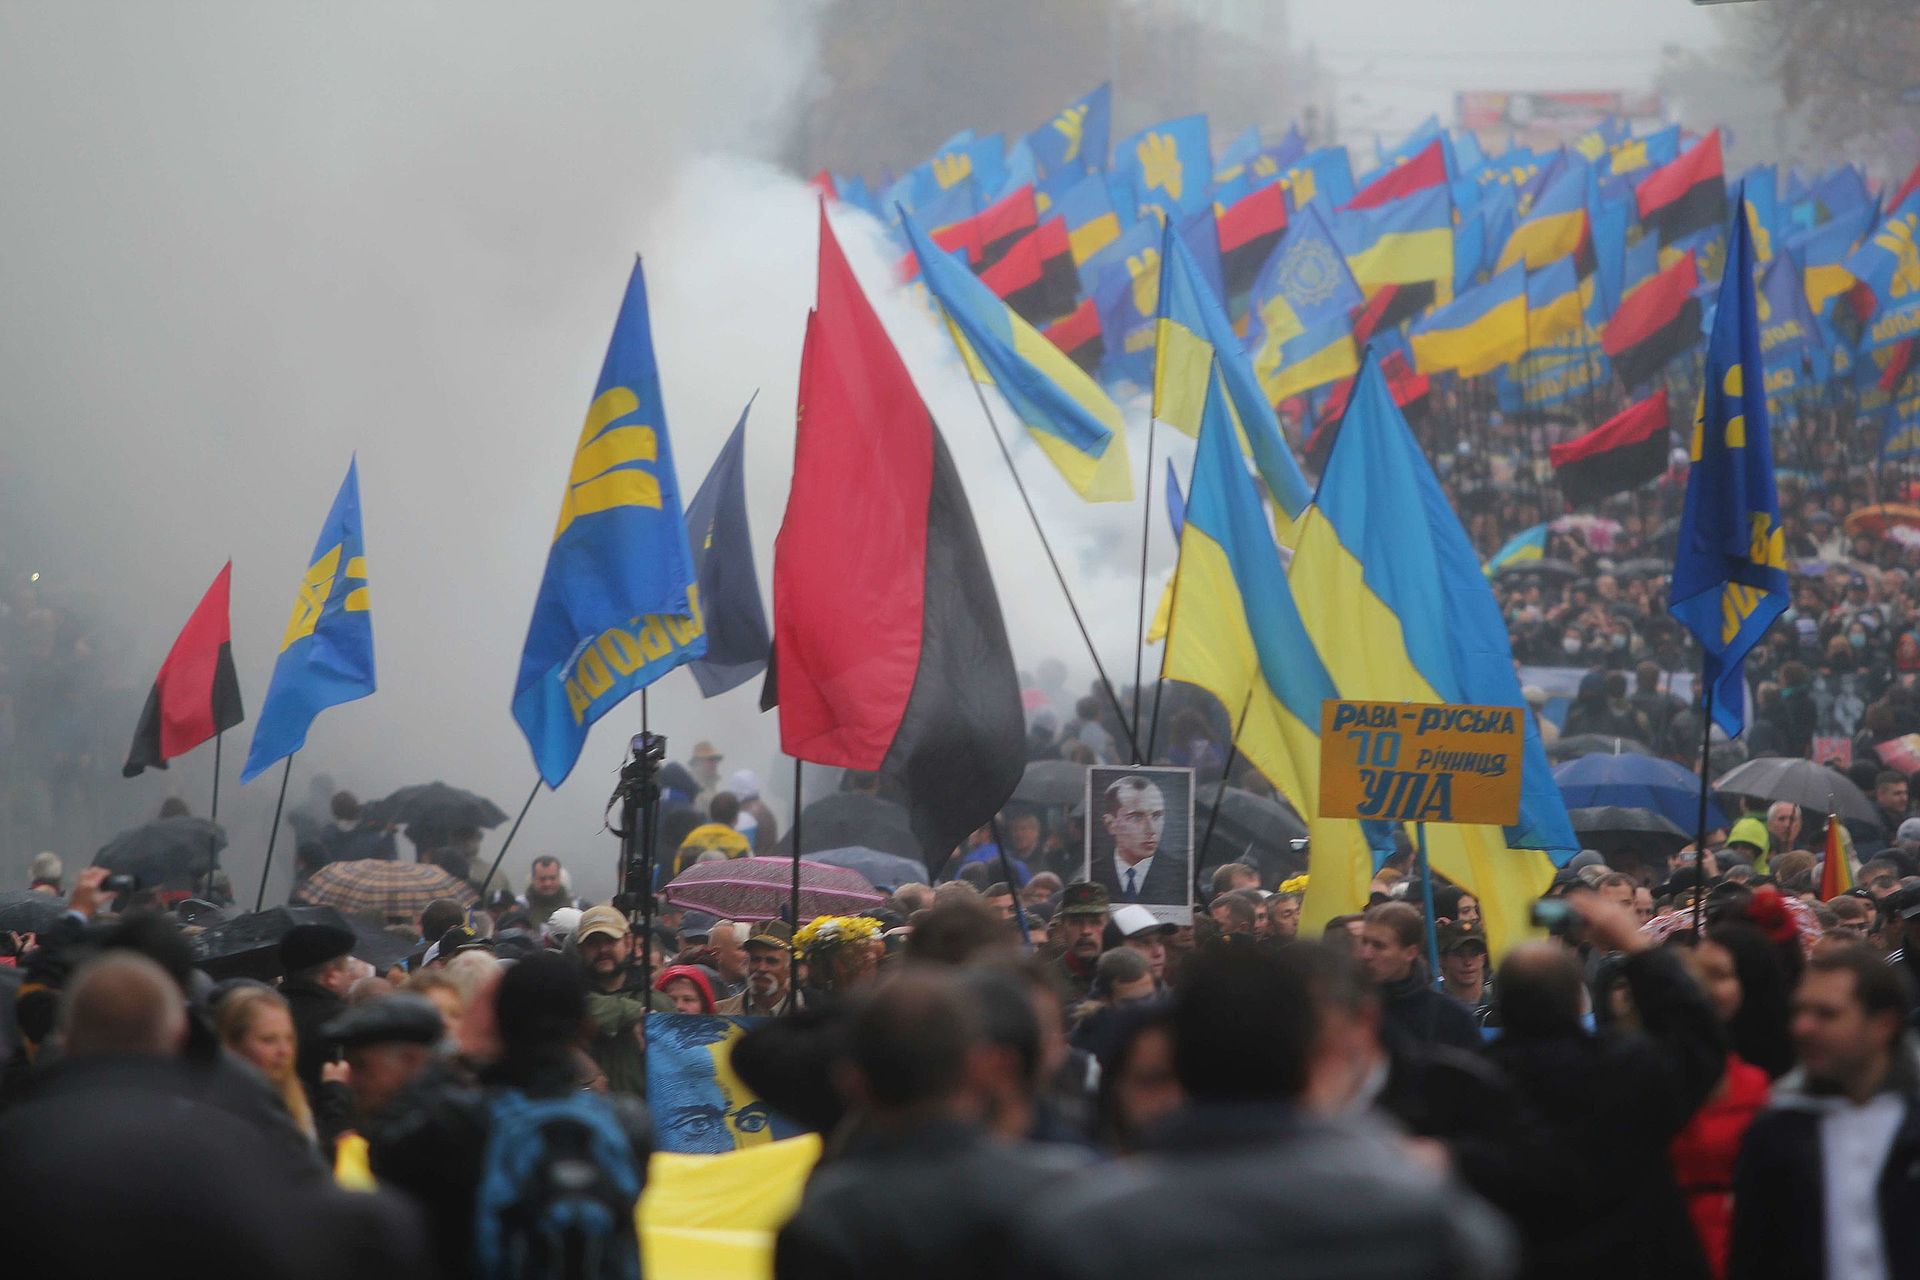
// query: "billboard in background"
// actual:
[[1543, 119]]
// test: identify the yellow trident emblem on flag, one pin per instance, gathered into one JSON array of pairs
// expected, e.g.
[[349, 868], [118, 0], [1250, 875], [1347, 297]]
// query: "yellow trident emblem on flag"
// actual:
[[951, 168], [1159, 157], [1898, 240], [1071, 123], [316, 588]]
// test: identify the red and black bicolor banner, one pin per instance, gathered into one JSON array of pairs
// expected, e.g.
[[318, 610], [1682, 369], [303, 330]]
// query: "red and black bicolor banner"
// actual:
[[888, 640], [1621, 454], [196, 694], [1659, 320], [1687, 195]]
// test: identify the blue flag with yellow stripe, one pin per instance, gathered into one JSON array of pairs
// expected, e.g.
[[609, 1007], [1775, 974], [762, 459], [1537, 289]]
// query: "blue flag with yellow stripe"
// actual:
[[618, 607], [1730, 569], [326, 654]]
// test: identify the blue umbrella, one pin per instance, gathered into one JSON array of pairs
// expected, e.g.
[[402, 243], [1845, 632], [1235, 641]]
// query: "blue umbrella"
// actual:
[[1629, 781], [884, 871]]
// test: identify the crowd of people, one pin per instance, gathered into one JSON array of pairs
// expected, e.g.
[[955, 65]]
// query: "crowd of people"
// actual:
[[1012, 1077]]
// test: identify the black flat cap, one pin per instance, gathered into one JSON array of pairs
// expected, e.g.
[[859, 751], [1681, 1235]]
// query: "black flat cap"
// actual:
[[394, 1019]]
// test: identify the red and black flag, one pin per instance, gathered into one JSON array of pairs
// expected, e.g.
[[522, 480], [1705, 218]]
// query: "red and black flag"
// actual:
[[1658, 320], [1078, 336], [1407, 388], [1390, 306], [1249, 229], [1421, 172], [196, 694], [1688, 195], [1621, 454], [887, 634], [1037, 277], [987, 235]]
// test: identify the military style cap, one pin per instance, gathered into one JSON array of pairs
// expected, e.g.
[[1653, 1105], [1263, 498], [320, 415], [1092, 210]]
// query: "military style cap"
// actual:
[[1458, 935], [777, 934], [1083, 899], [396, 1019]]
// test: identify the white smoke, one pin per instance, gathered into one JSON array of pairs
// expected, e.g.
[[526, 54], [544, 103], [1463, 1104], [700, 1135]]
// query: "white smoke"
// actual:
[[245, 242]]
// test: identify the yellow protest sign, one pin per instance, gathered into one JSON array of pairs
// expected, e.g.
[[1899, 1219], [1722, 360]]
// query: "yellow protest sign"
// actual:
[[1420, 762]]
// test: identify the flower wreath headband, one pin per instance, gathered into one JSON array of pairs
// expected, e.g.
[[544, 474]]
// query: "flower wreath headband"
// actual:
[[827, 932]]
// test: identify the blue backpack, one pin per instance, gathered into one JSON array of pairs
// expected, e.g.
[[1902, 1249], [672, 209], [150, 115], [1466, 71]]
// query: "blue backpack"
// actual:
[[558, 1189]]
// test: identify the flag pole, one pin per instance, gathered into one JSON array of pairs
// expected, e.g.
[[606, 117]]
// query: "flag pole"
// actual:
[[1166, 643], [507, 844], [1213, 815], [286, 774], [1140, 619], [1700, 835], [1113, 698], [1426, 892], [213, 812], [793, 893]]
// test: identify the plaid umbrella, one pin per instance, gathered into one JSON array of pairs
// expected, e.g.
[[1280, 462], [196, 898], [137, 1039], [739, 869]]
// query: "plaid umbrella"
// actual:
[[760, 888], [395, 891]]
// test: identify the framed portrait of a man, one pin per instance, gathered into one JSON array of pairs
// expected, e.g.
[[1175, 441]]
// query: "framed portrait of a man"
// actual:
[[1140, 838]]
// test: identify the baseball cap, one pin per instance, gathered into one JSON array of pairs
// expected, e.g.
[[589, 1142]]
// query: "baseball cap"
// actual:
[[705, 751], [1909, 832], [1083, 899], [1458, 935], [600, 922], [562, 923], [697, 926], [1132, 920]]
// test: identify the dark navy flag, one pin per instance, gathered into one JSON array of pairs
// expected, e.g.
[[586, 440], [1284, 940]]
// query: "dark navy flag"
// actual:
[[737, 637]]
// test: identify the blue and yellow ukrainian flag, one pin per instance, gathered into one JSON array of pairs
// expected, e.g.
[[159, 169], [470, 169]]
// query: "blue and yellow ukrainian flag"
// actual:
[[1398, 608], [1092, 224], [1406, 242], [1730, 569], [1522, 547], [1194, 339], [1299, 335], [1556, 222], [1072, 420], [1478, 331], [1168, 166], [326, 653], [1823, 254], [1236, 632], [1554, 309], [618, 604]]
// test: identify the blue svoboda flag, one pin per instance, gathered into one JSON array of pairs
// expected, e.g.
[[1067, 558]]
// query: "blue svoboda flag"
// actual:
[[618, 606], [326, 655], [1730, 569]]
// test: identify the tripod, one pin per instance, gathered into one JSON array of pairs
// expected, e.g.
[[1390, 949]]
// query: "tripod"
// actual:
[[638, 795]]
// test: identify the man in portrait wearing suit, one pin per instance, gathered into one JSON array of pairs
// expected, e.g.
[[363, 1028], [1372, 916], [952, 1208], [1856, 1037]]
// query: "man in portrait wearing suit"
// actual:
[[1134, 813]]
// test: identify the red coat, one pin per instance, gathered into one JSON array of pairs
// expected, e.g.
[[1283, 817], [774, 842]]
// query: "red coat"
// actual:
[[1704, 1152]]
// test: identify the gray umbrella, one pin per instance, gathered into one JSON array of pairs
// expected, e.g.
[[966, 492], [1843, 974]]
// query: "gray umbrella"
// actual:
[[25, 911], [1052, 782], [1809, 785]]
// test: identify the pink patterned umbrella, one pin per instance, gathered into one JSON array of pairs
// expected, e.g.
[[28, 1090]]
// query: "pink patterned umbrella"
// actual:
[[760, 889]]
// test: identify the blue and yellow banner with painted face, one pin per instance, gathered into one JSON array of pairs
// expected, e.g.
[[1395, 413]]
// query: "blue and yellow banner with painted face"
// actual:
[[1730, 570], [326, 653], [699, 1106], [618, 607]]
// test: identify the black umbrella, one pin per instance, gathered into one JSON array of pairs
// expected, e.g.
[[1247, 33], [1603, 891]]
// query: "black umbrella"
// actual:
[[164, 853], [1645, 568], [24, 911], [248, 946], [1545, 567], [1051, 782], [437, 806], [1809, 785], [849, 819], [1250, 828], [1591, 744], [1613, 829]]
